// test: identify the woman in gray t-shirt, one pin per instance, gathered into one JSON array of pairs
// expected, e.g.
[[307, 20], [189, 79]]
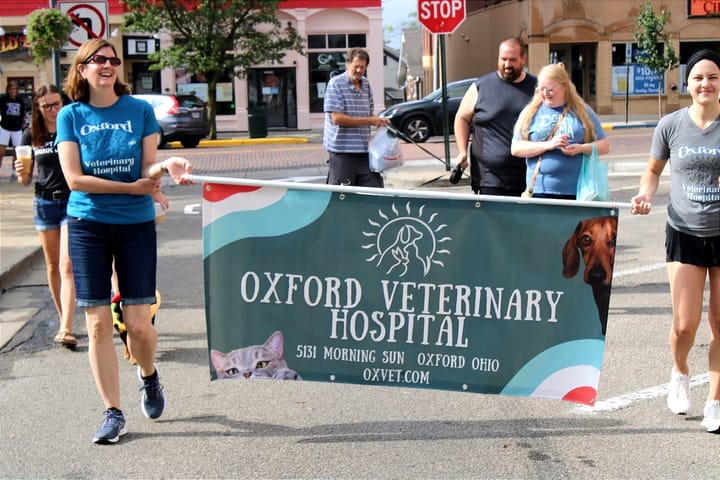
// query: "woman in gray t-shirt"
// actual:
[[690, 140]]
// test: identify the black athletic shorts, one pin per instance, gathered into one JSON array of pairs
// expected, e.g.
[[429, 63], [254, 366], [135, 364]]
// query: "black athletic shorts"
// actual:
[[692, 250]]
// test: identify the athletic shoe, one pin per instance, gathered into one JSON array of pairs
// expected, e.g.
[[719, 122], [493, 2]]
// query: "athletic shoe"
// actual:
[[678, 400], [712, 416], [153, 397], [113, 427]]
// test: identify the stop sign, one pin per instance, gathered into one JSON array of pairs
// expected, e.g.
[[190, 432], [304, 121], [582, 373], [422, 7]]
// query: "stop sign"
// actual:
[[441, 16]]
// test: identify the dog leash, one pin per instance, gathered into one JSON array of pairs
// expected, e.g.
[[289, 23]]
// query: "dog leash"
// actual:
[[400, 134]]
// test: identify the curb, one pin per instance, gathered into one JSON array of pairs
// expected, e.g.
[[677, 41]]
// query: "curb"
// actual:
[[618, 126], [233, 142], [17, 270]]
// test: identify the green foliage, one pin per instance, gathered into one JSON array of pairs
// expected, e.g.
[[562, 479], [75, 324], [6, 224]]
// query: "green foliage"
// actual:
[[47, 28], [215, 37], [658, 52]]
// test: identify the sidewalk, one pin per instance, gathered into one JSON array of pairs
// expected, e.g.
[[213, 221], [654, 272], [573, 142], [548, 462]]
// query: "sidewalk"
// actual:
[[20, 248]]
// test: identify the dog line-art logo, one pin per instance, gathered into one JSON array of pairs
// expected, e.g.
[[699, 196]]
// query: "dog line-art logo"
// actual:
[[406, 242]]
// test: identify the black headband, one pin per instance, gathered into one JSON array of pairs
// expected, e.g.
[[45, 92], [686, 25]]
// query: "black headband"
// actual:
[[699, 56]]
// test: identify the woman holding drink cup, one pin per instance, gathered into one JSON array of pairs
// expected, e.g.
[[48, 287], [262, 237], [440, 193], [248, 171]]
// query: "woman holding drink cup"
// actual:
[[50, 203]]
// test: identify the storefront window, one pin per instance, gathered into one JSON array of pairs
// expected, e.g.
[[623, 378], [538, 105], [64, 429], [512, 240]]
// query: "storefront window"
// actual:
[[323, 66], [326, 64], [196, 84], [337, 41], [629, 77], [317, 41]]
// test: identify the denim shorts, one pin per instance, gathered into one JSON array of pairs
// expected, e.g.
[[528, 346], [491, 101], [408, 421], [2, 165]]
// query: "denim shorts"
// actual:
[[689, 249], [94, 245], [49, 214]]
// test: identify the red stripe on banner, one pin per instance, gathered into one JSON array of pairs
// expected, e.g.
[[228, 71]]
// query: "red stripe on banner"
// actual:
[[215, 192], [585, 395]]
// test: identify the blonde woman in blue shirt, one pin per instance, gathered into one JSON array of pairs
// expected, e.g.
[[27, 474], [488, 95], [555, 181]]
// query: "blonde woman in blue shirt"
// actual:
[[556, 108]]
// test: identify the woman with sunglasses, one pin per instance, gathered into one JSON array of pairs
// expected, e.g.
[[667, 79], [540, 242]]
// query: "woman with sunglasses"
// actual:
[[50, 205], [107, 141]]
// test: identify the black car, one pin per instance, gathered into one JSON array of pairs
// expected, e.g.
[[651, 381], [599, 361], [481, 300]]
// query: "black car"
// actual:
[[422, 119]]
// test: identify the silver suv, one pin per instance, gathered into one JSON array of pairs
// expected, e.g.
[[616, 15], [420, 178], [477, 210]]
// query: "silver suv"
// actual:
[[182, 118]]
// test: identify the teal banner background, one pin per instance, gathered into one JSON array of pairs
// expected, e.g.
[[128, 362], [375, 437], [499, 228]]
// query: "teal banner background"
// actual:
[[414, 292]]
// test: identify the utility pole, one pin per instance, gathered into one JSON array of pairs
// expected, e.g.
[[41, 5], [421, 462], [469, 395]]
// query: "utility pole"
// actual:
[[57, 73]]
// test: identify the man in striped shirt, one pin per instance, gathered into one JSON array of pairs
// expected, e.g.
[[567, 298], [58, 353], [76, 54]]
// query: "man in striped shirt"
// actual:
[[348, 107]]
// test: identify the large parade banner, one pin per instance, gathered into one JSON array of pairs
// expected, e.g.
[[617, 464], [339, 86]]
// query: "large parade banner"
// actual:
[[455, 292]]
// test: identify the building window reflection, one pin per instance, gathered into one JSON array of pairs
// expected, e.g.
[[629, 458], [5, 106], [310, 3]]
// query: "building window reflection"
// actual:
[[325, 64]]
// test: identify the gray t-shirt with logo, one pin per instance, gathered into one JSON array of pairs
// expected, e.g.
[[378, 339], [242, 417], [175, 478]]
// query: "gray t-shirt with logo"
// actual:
[[694, 156]]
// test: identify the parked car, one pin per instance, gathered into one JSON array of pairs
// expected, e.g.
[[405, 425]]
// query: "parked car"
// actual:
[[182, 118], [422, 119]]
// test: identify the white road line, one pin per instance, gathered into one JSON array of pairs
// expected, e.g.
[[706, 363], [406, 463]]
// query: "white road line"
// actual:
[[635, 271], [625, 401]]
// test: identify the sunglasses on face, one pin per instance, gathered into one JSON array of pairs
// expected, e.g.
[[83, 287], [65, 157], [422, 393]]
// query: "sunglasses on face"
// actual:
[[101, 59], [51, 106]]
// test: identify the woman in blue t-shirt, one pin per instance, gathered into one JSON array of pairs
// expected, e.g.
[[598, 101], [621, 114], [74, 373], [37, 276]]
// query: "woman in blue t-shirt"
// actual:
[[107, 141], [555, 129]]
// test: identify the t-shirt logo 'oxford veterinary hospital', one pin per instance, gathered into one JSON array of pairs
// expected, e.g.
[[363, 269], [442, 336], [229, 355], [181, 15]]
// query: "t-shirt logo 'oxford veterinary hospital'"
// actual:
[[88, 129]]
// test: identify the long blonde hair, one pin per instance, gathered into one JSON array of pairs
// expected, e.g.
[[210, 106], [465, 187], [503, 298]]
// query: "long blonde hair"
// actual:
[[574, 102]]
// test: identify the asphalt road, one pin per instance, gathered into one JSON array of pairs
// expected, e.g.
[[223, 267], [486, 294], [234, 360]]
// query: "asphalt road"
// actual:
[[49, 407]]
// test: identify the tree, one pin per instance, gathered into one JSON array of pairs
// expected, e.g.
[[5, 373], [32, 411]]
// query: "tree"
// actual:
[[215, 37], [655, 48]]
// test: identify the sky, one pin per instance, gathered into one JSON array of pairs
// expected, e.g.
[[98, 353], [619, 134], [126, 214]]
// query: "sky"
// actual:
[[395, 12]]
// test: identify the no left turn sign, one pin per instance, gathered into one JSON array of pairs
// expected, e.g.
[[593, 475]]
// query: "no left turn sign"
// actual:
[[89, 21]]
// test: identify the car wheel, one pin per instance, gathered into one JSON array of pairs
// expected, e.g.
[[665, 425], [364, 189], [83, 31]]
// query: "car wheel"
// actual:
[[190, 142], [417, 128]]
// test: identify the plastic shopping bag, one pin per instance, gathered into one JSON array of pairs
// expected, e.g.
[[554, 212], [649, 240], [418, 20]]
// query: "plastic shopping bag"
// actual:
[[384, 151], [593, 179]]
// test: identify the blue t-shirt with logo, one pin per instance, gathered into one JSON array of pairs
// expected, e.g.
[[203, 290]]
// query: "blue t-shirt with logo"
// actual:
[[110, 144], [558, 173]]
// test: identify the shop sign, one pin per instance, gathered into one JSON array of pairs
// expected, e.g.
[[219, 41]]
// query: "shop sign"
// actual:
[[703, 8], [13, 45]]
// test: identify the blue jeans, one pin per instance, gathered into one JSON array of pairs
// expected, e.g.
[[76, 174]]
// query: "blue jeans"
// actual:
[[94, 245], [49, 214]]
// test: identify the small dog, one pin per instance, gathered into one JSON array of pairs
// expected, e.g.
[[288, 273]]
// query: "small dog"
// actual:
[[119, 323], [594, 239]]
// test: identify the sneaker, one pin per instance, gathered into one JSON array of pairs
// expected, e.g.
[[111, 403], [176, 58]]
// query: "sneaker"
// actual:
[[678, 400], [113, 427], [712, 416], [153, 397]]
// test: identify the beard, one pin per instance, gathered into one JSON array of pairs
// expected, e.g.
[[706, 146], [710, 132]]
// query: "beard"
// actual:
[[510, 74]]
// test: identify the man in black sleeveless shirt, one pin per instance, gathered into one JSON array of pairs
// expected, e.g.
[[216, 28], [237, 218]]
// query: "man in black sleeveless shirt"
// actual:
[[488, 111]]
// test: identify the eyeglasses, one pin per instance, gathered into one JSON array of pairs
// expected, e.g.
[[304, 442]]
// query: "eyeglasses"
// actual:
[[101, 59], [549, 90], [51, 106]]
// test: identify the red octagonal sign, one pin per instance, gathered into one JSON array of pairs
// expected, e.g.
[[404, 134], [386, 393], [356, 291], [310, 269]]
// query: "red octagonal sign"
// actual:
[[441, 16]]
